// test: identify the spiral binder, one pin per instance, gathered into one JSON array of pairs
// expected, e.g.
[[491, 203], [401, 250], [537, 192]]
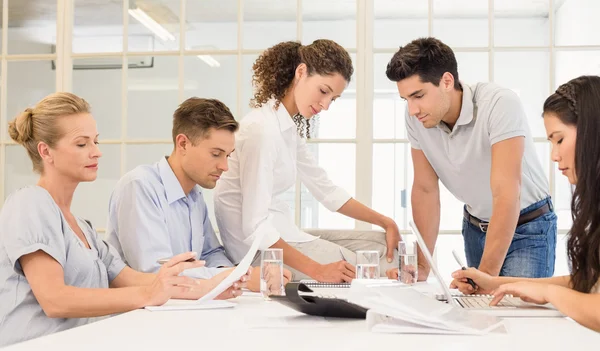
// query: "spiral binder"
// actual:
[[316, 284]]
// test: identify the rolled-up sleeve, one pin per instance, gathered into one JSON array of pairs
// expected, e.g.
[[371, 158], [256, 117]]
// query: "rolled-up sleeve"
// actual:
[[257, 156], [317, 181], [111, 258], [30, 222]]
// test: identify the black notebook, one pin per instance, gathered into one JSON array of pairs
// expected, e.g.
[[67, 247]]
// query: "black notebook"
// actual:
[[318, 305]]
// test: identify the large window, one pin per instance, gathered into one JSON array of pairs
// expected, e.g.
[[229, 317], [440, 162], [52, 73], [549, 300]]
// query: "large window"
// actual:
[[135, 60]]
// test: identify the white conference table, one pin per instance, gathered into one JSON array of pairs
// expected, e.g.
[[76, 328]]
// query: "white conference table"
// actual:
[[255, 324]]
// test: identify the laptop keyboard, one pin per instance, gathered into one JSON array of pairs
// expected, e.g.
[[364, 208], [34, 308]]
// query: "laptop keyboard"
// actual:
[[482, 302]]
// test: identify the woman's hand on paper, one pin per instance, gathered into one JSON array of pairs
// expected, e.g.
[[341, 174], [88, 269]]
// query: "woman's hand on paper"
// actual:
[[168, 283], [234, 290], [254, 281], [336, 272], [484, 282]]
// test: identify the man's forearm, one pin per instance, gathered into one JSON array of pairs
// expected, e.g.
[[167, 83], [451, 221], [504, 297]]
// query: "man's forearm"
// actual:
[[426, 214], [499, 234]]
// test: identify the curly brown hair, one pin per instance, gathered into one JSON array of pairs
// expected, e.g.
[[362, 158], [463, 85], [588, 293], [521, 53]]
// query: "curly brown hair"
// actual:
[[275, 68]]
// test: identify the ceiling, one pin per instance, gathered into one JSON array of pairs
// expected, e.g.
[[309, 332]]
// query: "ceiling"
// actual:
[[24, 13]]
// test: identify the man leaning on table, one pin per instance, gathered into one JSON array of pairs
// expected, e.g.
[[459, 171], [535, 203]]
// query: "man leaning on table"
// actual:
[[157, 211], [476, 140]]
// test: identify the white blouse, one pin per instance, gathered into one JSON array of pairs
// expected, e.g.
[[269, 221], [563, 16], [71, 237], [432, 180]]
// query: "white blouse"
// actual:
[[268, 156]]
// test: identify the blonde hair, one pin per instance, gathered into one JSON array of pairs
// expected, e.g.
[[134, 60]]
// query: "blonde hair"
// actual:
[[40, 123]]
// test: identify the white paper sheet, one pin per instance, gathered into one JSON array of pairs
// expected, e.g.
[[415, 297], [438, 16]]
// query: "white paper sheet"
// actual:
[[237, 273], [410, 306], [177, 304]]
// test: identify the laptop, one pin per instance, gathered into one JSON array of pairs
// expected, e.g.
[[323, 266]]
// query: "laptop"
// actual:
[[509, 306]]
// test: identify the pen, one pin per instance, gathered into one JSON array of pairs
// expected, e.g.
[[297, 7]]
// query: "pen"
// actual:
[[462, 266], [342, 254]]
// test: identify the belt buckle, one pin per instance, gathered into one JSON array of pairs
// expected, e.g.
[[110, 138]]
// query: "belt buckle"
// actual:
[[483, 227]]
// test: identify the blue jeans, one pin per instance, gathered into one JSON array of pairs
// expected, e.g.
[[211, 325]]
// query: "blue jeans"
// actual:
[[532, 251]]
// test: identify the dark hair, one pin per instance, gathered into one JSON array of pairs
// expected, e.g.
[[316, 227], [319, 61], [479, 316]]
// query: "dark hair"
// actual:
[[577, 103], [428, 58], [275, 68], [196, 116]]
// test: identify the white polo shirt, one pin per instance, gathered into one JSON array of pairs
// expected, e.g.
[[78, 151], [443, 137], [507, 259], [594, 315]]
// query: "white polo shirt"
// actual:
[[462, 157]]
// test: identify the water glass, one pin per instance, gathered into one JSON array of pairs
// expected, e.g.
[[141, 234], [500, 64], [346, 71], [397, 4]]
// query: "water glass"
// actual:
[[367, 264], [271, 272], [407, 262]]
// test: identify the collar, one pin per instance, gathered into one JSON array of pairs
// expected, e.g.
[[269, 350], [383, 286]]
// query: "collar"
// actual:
[[466, 110], [173, 188], [283, 117]]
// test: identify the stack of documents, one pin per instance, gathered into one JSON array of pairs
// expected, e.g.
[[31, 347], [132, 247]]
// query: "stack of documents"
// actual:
[[396, 308]]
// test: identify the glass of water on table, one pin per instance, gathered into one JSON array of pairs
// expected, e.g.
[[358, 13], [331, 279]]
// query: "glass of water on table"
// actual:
[[367, 264], [407, 262], [271, 272]]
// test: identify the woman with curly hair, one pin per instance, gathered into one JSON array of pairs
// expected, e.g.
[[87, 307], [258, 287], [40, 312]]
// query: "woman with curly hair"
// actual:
[[293, 83], [572, 124]]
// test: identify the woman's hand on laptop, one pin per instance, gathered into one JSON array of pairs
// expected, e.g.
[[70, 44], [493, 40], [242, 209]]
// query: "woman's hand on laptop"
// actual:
[[484, 282], [527, 291]]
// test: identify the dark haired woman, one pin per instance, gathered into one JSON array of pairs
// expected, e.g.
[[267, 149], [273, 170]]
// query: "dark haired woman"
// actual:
[[572, 124], [293, 83]]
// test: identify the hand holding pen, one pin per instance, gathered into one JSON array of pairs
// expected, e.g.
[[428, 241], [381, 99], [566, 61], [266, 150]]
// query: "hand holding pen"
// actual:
[[464, 268]]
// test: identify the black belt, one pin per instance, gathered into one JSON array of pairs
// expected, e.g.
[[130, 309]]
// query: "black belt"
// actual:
[[524, 218]]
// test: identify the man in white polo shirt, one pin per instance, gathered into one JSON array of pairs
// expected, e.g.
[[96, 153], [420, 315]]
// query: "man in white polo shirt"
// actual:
[[476, 140]]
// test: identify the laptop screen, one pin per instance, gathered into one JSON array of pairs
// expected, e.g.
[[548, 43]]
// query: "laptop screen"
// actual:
[[429, 260]]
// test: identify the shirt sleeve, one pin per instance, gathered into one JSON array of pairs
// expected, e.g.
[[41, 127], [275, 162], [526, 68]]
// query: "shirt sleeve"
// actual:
[[31, 221], [137, 222], [411, 131], [257, 156], [317, 181], [507, 118], [108, 254], [212, 251]]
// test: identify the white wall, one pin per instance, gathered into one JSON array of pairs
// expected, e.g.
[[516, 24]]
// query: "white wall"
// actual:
[[577, 23]]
